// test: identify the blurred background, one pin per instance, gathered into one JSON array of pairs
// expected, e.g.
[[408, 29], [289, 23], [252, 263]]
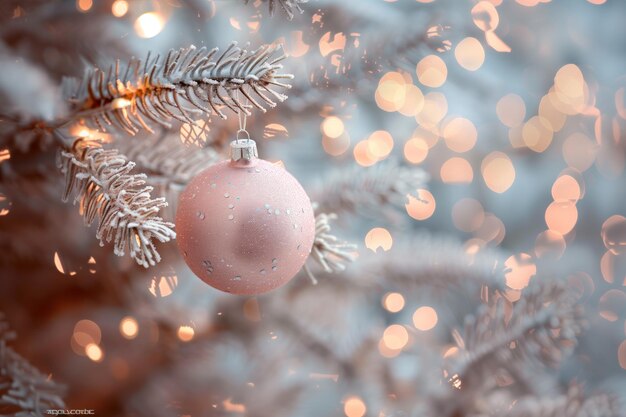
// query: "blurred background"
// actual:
[[474, 152]]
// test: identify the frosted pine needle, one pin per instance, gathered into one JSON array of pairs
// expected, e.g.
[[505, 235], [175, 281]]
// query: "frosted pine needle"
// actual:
[[371, 190], [24, 390], [185, 82], [290, 7], [328, 250], [103, 185]]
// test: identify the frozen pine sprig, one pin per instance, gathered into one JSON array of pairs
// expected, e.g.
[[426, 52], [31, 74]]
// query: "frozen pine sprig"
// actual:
[[573, 404], [369, 191], [183, 83], [539, 329], [103, 185], [290, 7], [329, 251], [24, 390], [165, 160]]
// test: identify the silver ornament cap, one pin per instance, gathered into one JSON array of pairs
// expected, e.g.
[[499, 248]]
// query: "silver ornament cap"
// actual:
[[243, 150]]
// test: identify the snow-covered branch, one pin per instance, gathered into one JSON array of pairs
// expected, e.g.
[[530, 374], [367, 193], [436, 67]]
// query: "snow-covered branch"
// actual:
[[102, 183]]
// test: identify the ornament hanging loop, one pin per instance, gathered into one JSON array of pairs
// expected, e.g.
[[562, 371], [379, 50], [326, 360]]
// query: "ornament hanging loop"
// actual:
[[243, 119], [241, 132]]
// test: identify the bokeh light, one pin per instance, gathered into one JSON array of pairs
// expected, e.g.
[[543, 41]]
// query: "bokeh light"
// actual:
[[378, 237], [354, 407], [498, 172], [393, 302], [129, 327], [423, 207], [460, 134], [149, 24], [395, 337], [470, 54], [425, 318], [432, 71], [456, 170], [522, 269]]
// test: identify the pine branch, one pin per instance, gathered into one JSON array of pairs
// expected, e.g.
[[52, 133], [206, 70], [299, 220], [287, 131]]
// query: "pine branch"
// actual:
[[288, 6], [328, 251], [24, 391], [103, 185], [538, 329], [185, 82], [369, 191], [165, 159], [572, 404]]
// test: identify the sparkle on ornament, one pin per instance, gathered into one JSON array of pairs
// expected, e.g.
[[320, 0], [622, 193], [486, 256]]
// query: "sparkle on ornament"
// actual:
[[277, 212], [226, 195], [230, 217], [201, 215], [231, 206]]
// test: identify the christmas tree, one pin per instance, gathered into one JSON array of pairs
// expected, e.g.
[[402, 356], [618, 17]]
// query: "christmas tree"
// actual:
[[401, 208]]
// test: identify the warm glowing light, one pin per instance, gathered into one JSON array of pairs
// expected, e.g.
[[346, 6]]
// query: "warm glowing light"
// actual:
[[336, 146], [432, 71], [612, 304], [614, 234], [119, 8], [274, 130], [566, 188], [485, 16], [468, 215], [470, 54], [391, 92], [362, 154], [423, 207], [511, 110], [94, 352], [460, 134], [498, 172], [185, 333], [378, 237], [395, 337], [393, 302], [579, 151], [425, 318], [522, 269], [621, 351], [429, 136], [435, 108], [569, 81], [496, 43], [84, 5], [561, 217], [456, 171], [613, 266], [537, 134], [380, 144], [129, 327], [57, 263], [297, 47], [163, 285], [550, 245], [149, 24], [415, 150], [354, 407], [492, 230], [86, 332], [413, 101], [328, 44], [332, 127], [550, 114]]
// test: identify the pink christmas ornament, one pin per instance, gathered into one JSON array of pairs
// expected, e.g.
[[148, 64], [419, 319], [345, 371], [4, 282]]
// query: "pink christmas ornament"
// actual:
[[245, 226]]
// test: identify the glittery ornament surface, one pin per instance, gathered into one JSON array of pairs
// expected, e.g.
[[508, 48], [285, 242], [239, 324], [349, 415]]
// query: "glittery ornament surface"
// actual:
[[245, 228]]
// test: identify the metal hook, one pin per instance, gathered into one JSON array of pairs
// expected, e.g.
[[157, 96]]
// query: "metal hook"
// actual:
[[243, 131]]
